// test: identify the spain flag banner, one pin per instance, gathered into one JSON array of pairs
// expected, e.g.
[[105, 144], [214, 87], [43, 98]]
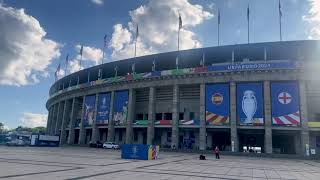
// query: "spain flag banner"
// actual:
[[217, 104], [285, 104]]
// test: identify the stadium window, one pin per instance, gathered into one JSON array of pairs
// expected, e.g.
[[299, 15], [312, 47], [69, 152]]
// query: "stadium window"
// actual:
[[159, 116], [191, 115], [135, 136], [168, 116], [145, 116], [181, 116], [316, 117], [139, 116]]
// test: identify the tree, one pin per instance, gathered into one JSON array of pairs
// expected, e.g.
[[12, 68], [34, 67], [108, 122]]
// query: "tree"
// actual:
[[1, 127]]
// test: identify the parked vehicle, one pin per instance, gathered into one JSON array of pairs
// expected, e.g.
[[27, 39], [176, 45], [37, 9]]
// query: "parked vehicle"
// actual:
[[97, 144], [110, 145], [16, 142]]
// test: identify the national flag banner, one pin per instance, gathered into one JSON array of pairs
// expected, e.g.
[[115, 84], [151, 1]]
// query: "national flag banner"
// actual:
[[217, 104], [219, 16], [280, 10], [57, 71], [137, 32], [105, 41], [180, 22], [248, 12], [81, 50], [67, 59], [285, 104]]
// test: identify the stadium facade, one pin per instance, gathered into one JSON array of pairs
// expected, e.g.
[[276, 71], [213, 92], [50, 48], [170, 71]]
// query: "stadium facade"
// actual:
[[261, 95]]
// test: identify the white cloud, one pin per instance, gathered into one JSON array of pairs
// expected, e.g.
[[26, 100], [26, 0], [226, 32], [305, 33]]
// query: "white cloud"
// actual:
[[33, 120], [25, 52], [91, 54], [314, 19], [158, 27], [97, 2], [74, 66]]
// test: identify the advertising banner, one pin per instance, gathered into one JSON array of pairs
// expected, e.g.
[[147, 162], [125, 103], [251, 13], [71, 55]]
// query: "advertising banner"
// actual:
[[217, 104], [120, 107], [89, 108], [103, 109], [250, 104], [285, 105]]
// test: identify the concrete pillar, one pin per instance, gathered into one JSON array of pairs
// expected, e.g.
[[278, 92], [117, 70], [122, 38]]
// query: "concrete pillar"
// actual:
[[54, 119], [59, 118], [202, 131], [131, 105], [65, 116], [48, 119], [209, 140], [233, 118], [175, 117], [95, 130], [104, 136], [111, 131], [305, 149], [72, 121], [267, 118], [151, 116], [82, 134]]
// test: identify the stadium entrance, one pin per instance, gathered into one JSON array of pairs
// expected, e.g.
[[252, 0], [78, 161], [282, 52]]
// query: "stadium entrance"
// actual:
[[103, 133], [162, 136], [251, 140], [188, 138], [220, 138], [285, 142], [140, 135]]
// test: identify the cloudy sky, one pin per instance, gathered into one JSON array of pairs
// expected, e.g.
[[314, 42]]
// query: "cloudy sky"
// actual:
[[36, 35]]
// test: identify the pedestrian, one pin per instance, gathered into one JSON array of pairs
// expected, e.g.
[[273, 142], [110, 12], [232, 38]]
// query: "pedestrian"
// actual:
[[217, 152]]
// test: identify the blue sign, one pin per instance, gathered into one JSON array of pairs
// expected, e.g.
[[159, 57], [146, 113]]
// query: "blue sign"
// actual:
[[255, 66], [217, 104], [250, 104], [103, 108], [89, 108], [285, 104], [134, 151], [120, 106]]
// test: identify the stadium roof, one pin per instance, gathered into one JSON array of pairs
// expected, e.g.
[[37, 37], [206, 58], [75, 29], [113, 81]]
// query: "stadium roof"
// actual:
[[304, 50]]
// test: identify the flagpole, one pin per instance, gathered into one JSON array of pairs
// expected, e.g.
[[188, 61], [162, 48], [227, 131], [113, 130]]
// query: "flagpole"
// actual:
[[248, 19], [280, 24], [218, 27]]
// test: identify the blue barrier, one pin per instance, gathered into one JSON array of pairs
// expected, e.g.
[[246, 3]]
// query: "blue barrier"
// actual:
[[139, 151]]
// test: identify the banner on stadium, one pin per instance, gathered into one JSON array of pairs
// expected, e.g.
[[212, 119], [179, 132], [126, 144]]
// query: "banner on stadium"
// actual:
[[250, 104], [217, 104], [285, 105], [89, 108], [103, 109], [120, 108]]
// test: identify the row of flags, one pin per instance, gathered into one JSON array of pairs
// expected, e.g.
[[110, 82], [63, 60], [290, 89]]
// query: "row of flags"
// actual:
[[180, 26]]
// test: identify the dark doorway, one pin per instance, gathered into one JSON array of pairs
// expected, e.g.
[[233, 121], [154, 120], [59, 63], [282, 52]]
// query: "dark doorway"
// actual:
[[76, 136], [251, 141], [283, 144], [222, 140]]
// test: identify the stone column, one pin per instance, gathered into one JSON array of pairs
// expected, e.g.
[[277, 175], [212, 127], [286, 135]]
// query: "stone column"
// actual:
[[82, 134], [72, 121], [175, 117], [59, 118], [48, 120], [131, 105], [202, 131], [267, 118], [111, 130], [233, 118], [95, 130], [304, 119], [151, 116], [65, 116], [54, 119]]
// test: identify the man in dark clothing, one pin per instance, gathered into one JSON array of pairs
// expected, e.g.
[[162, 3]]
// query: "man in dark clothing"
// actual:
[[217, 152]]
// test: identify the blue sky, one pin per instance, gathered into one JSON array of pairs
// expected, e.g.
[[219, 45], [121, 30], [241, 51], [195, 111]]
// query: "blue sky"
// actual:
[[61, 26]]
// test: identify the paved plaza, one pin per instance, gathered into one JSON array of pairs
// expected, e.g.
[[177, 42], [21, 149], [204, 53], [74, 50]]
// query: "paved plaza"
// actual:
[[86, 163]]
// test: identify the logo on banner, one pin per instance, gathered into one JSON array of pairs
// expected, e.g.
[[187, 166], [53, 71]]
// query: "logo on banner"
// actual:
[[284, 98], [217, 98], [249, 105]]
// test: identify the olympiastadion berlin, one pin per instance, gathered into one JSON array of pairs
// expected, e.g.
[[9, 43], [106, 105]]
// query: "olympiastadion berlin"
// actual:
[[264, 96]]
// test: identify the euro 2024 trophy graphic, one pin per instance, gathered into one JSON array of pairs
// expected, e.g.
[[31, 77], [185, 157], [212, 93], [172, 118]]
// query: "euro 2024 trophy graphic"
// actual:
[[249, 106]]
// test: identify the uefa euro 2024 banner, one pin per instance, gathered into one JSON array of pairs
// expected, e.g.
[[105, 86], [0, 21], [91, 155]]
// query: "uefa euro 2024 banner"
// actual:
[[103, 109], [285, 108], [89, 108], [120, 106], [250, 104], [217, 104]]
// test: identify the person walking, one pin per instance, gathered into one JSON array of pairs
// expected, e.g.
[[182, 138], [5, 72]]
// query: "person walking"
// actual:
[[217, 152]]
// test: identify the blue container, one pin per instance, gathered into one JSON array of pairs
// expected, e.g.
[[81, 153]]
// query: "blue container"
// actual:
[[134, 151]]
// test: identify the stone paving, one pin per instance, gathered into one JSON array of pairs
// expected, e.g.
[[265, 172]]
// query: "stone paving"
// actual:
[[87, 163]]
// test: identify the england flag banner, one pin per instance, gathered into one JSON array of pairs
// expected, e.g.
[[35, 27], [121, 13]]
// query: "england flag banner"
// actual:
[[250, 104], [217, 104], [285, 103]]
